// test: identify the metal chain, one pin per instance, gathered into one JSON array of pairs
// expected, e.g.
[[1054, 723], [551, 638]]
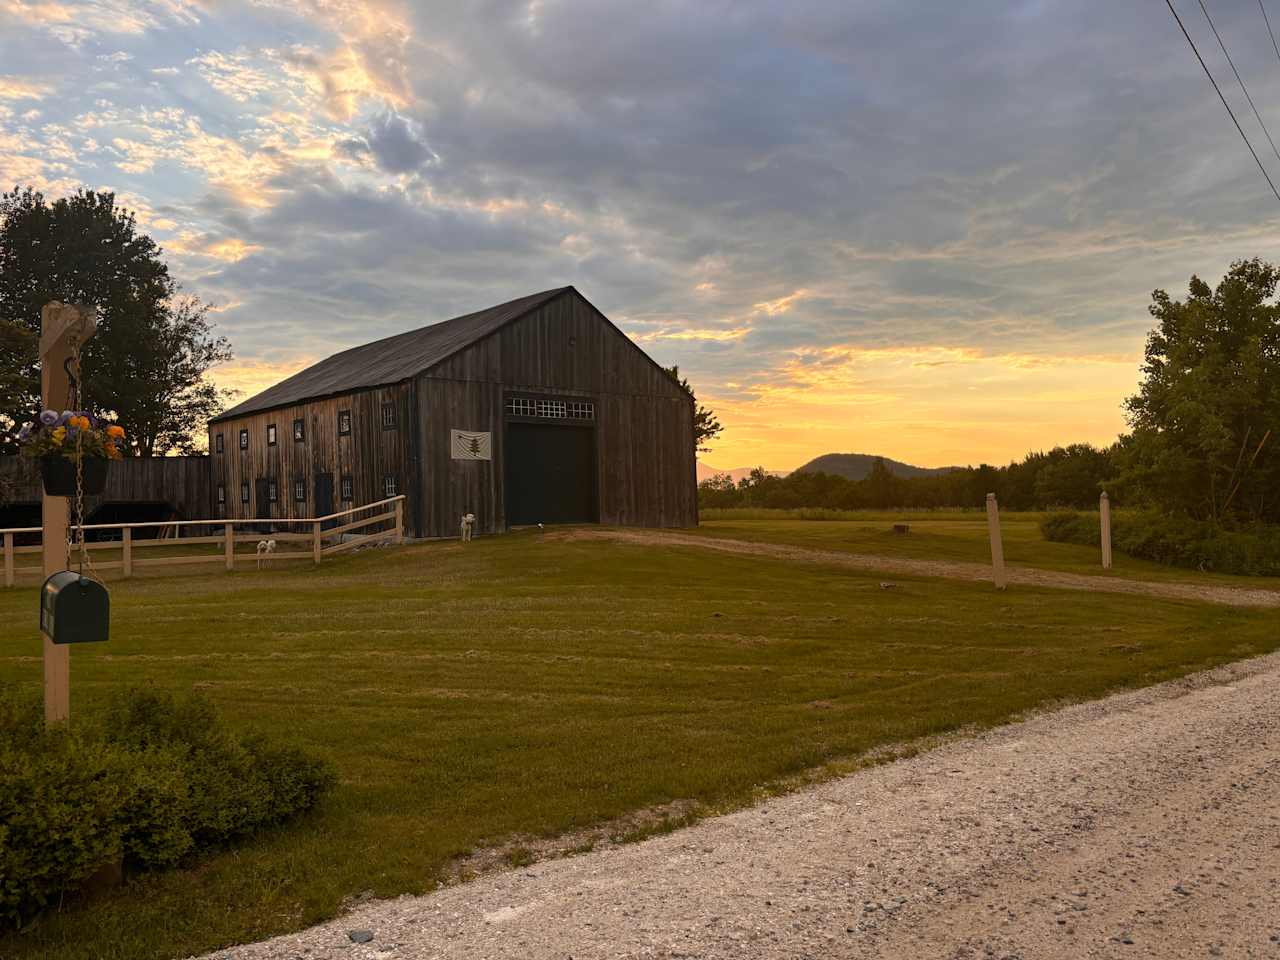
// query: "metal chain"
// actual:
[[74, 390]]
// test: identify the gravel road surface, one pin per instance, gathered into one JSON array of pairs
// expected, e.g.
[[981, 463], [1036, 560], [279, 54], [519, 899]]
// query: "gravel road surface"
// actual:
[[1143, 825], [947, 569]]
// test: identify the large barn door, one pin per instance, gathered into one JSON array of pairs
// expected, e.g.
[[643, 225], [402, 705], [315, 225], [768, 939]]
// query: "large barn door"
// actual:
[[550, 474]]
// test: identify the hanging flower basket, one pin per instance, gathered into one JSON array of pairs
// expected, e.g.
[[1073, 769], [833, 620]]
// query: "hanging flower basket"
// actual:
[[58, 440], [59, 475]]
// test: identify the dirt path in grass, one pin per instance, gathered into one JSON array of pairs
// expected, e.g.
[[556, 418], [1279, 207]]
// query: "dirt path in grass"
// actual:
[[949, 569], [1143, 825]]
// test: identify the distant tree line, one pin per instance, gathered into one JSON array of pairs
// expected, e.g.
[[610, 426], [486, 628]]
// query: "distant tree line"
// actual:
[[1063, 477], [1204, 444]]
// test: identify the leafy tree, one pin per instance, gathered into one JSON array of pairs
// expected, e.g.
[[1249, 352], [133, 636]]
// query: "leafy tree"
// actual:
[[1207, 412], [1072, 476], [147, 363], [705, 425]]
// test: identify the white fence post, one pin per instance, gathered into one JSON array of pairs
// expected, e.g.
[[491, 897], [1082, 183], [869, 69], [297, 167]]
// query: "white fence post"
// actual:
[[399, 538], [1104, 517], [997, 547], [126, 551], [315, 540], [229, 544], [8, 559]]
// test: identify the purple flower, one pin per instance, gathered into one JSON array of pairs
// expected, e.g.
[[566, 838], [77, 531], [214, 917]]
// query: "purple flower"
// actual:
[[24, 432], [66, 415], [48, 418]]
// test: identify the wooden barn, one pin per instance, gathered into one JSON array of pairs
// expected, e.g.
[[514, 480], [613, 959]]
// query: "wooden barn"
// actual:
[[534, 411]]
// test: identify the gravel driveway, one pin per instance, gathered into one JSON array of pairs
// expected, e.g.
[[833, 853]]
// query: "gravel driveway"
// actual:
[[1143, 825], [947, 569]]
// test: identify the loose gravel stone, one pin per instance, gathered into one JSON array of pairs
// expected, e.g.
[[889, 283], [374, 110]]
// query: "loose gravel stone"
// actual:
[[1155, 822]]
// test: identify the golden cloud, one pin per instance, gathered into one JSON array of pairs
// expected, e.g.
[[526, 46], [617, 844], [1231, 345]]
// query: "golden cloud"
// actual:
[[20, 88], [773, 308]]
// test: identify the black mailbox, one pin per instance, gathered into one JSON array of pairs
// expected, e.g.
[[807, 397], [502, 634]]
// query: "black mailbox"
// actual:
[[74, 609]]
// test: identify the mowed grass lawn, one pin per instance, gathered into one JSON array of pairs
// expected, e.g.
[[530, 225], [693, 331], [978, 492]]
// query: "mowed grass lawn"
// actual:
[[949, 535], [534, 685]]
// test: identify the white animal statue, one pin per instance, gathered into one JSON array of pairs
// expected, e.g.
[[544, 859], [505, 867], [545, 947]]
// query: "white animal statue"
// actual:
[[265, 549], [468, 523]]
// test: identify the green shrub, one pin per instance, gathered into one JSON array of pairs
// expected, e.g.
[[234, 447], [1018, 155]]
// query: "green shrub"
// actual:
[[1068, 526], [1176, 541], [154, 780], [62, 800]]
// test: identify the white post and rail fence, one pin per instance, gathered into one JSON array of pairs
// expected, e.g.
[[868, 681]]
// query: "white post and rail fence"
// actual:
[[308, 538]]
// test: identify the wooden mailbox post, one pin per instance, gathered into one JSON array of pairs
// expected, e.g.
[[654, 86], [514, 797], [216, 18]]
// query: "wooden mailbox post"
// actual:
[[60, 323]]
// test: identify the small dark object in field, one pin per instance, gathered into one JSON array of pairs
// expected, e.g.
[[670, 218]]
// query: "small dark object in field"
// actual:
[[885, 585], [360, 936], [717, 614], [902, 528]]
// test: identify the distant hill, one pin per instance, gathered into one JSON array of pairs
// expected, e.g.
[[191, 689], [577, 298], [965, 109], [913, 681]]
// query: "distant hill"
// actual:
[[737, 473], [855, 466]]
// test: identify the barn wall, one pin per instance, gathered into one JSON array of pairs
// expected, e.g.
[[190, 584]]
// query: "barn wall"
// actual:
[[644, 420], [182, 482], [366, 455]]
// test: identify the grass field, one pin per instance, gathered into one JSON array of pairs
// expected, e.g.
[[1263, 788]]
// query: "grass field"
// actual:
[[947, 535], [529, 685]]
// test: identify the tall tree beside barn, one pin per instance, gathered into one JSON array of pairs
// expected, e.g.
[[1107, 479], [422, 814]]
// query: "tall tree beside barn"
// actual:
[[1207, 414], [147, 364], [705, 425]]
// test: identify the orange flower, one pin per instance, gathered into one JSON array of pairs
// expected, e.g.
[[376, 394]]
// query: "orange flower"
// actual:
[[112, 452], [115, 430]]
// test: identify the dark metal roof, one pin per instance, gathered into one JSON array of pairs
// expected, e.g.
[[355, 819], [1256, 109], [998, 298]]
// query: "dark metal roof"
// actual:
[[391, 360]]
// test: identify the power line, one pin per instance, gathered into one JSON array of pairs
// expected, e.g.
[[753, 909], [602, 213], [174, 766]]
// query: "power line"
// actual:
[[1239, 79], [1274, 45], [1230, 112]]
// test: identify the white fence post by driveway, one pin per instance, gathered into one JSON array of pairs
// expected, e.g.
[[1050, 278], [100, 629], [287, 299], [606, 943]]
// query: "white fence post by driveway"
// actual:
[[997, 548], [8, 559], [315, 540], [229, 545], [126, 551], [1104, 517]]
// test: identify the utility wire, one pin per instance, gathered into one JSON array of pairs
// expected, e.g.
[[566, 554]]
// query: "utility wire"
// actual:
[[1274, 45], [1230, 112], [1239, 79]]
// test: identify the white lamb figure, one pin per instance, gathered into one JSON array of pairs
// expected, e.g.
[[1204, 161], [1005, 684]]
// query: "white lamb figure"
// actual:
[[468, 521]]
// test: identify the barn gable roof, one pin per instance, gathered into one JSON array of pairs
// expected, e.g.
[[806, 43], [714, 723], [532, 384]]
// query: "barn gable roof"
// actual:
[[393, 359]]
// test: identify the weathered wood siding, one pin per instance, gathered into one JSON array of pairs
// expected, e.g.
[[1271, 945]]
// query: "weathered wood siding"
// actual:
[[643, 424], [182, 482], [367, 454]]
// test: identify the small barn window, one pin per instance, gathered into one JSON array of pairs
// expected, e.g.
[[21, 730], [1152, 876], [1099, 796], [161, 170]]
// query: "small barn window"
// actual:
[[347, 488], [271, 435], [273, 492], [551, 409], [344, 423], [299, 430], [222, 494], [389, 485], [388, 416], [300, 491], [217, 443], [244, 439], [244, 493]]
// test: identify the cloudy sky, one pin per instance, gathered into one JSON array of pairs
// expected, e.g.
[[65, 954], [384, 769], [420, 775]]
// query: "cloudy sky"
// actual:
[[928, 230]]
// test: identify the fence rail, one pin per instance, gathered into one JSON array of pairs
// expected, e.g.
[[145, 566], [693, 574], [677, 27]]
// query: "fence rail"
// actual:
[[346, 531]]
